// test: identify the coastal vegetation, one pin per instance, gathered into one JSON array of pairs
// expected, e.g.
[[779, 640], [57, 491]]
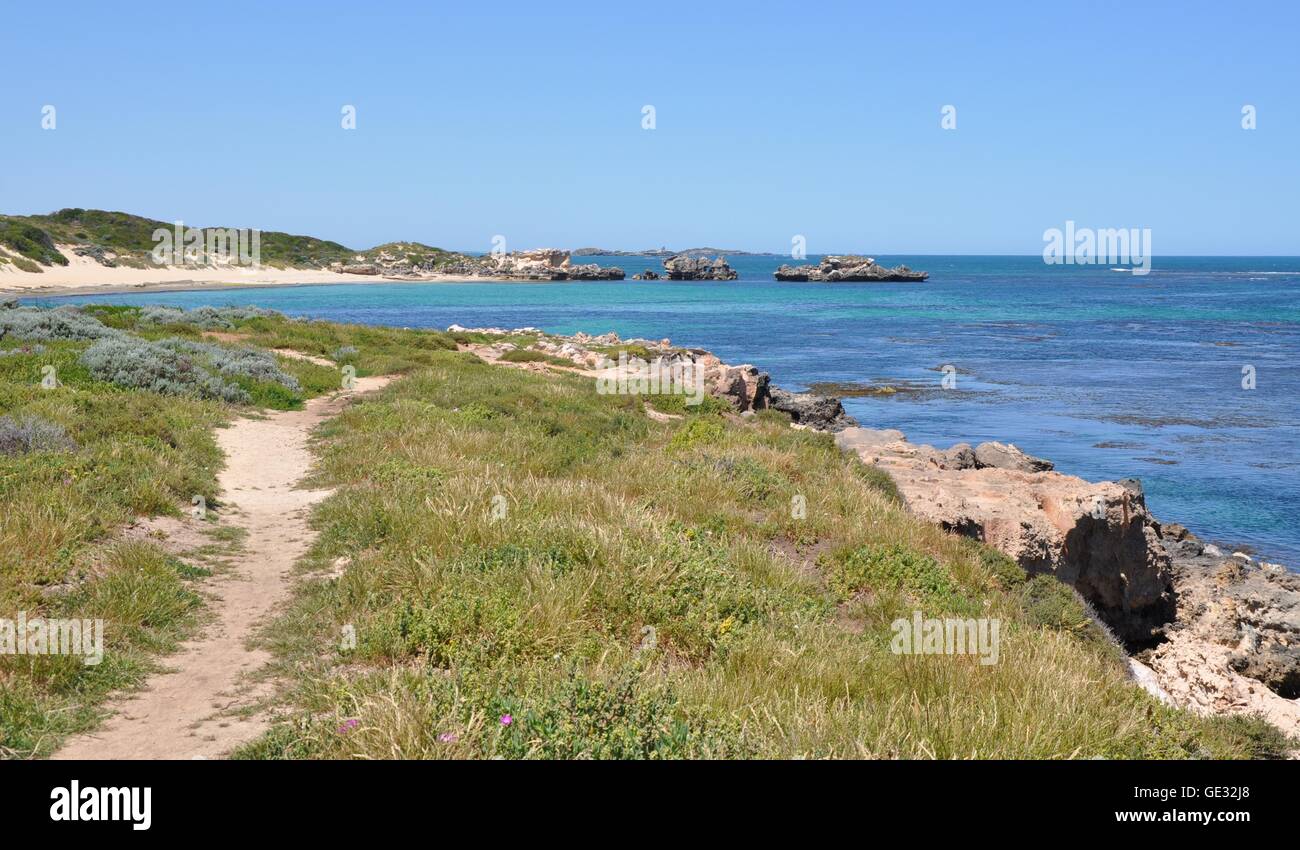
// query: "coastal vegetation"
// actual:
[[530, 569], [127, 240]]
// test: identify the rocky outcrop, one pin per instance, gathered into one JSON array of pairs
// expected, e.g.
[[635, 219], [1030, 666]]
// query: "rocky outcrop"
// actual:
[[97, 253], [360, 268], [823, 413], [1214, 633], [545, 264], [848, 267], [1007, 456], [1097, 537], [680, 267], [588, 271], [1234, 646], [1249, 608], [646, 275], [744, 386]]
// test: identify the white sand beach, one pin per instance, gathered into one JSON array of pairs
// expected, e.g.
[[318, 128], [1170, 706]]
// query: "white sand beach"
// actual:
[[83, 274]]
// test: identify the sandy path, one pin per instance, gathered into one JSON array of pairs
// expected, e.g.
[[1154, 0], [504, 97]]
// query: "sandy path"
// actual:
[[187, 712]]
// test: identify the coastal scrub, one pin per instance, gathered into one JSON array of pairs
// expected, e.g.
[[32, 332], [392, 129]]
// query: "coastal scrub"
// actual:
[[530, 569]]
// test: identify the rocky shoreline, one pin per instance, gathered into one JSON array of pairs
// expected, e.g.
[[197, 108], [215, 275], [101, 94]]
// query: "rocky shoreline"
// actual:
[[551, 264], [1206, 630], [545, 264]]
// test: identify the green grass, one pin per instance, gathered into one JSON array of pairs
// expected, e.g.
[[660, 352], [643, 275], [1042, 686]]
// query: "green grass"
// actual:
[[523, 355], [637, 598], [136, 453], [147, 603], [516, 546], [631, 351], [681, 404]]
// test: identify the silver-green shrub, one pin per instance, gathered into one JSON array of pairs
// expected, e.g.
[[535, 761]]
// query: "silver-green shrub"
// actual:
[[206, 318], [248, 362], [39, 323], [136, 364], [22, 434]]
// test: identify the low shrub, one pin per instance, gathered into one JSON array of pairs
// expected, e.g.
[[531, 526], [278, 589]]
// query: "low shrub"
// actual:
[[698, 431], [527, 355], [1050, 603], [39, 323], [30, 241], [878, 480], [618, 719], [1256, 735], [135, 364], [1006, 572], [890, 568], [683, 404], [245, 362], [23, 434], [205, 318]]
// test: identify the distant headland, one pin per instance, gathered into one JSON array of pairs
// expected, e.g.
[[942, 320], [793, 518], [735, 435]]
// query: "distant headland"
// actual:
[[78, 250]]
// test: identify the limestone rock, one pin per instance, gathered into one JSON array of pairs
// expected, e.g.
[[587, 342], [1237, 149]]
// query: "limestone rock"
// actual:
[[681, 267], [1006, 456], [747, 388], [1098, 538], [848, 267], [361, 268]]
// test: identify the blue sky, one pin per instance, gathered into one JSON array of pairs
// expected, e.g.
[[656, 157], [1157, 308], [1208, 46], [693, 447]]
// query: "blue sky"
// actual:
[[524, 119]]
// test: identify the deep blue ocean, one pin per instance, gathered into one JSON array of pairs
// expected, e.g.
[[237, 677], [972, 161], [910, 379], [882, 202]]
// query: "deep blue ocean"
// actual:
[[1108, 374]]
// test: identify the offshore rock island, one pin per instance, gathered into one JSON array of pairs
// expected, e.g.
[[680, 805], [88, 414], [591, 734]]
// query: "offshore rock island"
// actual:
[[849, 268]]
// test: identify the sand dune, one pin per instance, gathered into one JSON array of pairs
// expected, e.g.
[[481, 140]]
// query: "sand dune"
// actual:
[[83, 274]]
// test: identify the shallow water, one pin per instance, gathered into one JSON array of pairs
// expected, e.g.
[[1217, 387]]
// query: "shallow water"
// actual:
[[1108, 374]]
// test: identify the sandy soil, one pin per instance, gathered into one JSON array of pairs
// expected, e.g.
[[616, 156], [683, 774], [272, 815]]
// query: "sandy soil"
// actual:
[[200, 708]]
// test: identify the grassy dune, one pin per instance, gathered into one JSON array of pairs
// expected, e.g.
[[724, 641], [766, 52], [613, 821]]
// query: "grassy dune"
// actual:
[[531, 569], [30, 242]]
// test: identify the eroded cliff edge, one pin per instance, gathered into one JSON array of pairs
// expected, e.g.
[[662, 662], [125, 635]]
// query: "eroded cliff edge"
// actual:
[[1217, 632]]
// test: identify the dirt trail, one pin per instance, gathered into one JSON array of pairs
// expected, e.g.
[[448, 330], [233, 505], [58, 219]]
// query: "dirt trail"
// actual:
[[188, 712]]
